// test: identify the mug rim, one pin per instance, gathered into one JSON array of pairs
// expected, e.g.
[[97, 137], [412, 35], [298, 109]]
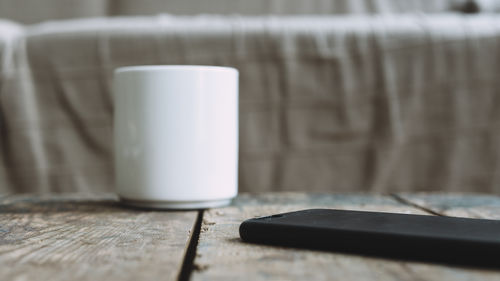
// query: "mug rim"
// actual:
[[167, 67]]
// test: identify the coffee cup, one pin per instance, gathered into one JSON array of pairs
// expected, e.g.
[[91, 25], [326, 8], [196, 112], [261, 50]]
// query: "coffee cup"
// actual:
[[176, 135]]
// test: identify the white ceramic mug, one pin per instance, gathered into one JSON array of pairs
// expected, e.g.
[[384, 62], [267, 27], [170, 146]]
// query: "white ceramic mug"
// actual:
[[176, 135]]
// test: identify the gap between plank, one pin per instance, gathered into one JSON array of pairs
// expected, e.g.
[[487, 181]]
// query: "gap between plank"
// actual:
[[189, 256], [407, 202]]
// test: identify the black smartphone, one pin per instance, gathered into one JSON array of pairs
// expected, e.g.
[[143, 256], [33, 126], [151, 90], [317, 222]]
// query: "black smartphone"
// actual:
[[441, 239]]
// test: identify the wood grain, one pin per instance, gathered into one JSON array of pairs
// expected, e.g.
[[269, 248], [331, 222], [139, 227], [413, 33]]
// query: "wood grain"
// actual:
[[458, 205], [221, 255], [89, 237]]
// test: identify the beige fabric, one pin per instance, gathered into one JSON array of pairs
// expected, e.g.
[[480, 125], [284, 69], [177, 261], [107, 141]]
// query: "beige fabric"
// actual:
[[378, 103], [10, 33], [35, 11], [259, 7]]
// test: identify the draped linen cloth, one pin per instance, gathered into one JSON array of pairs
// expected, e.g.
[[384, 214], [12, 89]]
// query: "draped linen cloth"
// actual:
[[35, 11], [327, 103]]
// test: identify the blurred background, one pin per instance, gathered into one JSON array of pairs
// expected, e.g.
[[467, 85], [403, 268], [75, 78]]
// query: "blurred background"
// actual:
[[335, 95], [33, 11]]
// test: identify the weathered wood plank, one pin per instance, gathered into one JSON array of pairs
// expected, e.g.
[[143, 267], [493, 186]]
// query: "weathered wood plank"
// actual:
[[221, 255], [458, 205], [89, 237]]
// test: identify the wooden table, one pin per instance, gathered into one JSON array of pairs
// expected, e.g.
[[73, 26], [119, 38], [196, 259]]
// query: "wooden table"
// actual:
[[93, 237]]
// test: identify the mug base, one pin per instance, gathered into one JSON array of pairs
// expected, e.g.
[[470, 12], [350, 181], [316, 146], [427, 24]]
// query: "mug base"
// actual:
[[175, 205]]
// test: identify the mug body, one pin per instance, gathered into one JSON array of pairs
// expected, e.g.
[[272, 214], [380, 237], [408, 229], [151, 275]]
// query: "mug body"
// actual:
[[176, 135]]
